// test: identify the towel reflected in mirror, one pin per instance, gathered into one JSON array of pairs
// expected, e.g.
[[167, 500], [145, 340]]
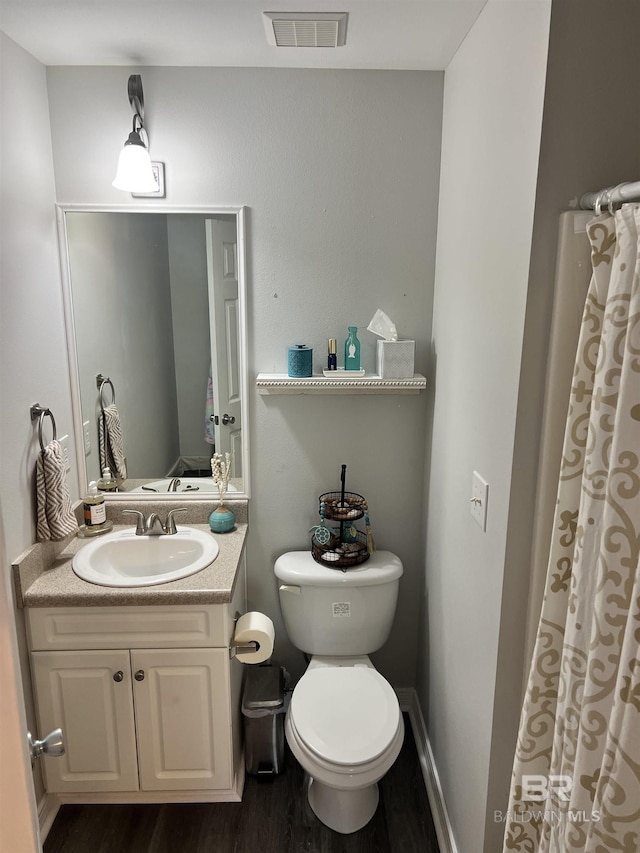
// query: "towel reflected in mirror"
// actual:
[[111, 444]]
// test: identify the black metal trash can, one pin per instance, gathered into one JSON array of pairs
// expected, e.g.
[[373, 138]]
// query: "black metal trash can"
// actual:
[[263, 709]]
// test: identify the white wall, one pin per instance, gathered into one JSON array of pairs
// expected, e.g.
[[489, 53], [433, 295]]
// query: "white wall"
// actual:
[[491, 134], [340, 172], [33, 364], [33, 368]]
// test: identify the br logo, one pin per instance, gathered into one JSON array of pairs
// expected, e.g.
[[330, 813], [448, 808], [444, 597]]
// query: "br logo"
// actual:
[[536, 788]]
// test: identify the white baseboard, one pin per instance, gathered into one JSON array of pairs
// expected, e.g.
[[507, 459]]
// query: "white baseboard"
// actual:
[[48, 808], [408, 700]]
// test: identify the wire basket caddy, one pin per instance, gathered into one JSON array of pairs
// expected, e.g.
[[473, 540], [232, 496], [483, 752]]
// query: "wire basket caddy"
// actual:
[[340, 555], [340, 545], [342, 507]]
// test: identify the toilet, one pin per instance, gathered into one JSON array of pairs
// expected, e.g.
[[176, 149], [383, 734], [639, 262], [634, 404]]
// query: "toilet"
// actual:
[[343, 724]]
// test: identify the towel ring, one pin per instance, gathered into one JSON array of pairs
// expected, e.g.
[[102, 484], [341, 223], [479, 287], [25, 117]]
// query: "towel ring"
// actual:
[[101, 381], [38, 411]]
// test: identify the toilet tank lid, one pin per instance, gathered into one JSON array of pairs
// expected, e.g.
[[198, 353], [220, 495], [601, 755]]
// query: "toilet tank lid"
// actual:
[[299, 568]]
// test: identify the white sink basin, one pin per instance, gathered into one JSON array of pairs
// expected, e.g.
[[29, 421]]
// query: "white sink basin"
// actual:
[[123, 559], [186, 484]]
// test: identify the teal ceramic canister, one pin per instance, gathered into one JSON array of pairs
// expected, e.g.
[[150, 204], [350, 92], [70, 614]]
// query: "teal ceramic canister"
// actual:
[[300, 360], [222, 519]]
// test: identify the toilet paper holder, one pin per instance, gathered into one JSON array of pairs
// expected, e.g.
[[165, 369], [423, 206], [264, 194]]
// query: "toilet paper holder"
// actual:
[[234, 647]]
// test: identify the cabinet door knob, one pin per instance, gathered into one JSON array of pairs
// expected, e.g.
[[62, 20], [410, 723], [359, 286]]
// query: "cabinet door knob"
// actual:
[[139, 676], [118, 676], [52, 744]]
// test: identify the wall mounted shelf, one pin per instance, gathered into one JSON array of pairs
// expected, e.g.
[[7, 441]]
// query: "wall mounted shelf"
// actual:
[[280, 383]]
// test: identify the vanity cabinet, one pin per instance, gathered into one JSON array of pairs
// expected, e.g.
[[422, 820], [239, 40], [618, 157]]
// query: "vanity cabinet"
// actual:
[[148, 699], [181, 702], [78, 691], [167, 707]]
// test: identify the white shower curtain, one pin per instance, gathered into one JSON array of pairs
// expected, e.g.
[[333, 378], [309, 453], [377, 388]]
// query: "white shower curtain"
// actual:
[[576, 776]]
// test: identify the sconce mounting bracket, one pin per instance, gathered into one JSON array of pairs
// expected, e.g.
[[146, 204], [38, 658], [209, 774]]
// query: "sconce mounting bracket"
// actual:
[[136, 97]]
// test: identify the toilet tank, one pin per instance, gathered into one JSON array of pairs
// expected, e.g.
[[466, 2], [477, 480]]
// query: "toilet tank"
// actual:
[[330, 612]]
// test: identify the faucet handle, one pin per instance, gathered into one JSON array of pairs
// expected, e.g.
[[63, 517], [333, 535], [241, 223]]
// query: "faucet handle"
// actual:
[[170, 525], [140, 521]]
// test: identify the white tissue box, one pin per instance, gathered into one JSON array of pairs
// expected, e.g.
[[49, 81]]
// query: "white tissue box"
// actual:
[[395, 359]]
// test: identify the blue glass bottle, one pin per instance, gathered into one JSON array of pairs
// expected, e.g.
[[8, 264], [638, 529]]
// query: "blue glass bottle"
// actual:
[[352, 350]]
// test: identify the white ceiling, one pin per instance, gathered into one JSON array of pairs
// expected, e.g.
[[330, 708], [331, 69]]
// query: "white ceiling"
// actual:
[[409, 34]]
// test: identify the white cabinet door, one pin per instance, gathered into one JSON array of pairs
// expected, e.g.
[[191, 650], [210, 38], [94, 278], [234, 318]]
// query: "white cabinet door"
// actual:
[[87, 694], [183, 719]]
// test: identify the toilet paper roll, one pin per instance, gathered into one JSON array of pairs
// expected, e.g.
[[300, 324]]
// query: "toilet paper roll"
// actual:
[[255, 627]]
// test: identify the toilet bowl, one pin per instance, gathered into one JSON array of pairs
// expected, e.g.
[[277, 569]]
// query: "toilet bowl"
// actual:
[[343, 724], [345, 728]]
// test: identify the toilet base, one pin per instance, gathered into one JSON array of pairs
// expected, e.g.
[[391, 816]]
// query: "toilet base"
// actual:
[[343, 810]]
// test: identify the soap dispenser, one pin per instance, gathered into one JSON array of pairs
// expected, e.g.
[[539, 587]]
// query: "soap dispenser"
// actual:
[[107, 482], [95, 512]]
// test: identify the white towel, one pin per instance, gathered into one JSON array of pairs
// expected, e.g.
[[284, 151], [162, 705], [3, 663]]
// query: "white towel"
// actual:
[[110, 443], [55, 514]]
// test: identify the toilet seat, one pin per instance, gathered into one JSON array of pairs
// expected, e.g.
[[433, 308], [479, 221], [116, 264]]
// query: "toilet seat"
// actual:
[[346, 715]]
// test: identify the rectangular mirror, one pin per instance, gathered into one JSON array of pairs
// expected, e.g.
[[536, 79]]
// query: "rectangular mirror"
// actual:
[[155, 308]]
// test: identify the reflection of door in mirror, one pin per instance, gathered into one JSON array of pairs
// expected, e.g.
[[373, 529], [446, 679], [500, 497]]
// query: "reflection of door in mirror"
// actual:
[[225, 354], [146, 289]]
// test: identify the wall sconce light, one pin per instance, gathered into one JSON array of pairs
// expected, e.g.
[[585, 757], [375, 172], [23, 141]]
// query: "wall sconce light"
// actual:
[[136, 173]]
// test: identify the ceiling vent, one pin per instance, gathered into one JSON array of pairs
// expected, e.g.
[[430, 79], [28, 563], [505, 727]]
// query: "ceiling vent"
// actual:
[[306, 29]]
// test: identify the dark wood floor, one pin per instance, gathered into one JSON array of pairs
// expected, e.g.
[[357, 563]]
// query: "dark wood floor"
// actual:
[[272, 818]]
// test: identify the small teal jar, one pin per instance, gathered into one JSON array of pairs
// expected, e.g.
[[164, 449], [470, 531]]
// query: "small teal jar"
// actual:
[[222, 519]]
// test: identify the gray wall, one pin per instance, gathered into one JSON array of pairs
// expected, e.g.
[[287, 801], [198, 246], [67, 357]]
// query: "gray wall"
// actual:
[[339, 170]]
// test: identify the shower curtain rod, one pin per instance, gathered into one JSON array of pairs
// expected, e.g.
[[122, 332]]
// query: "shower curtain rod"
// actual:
[[610, 195]]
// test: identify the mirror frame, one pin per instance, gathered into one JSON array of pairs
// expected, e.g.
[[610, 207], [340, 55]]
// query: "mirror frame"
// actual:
[[67, 295]]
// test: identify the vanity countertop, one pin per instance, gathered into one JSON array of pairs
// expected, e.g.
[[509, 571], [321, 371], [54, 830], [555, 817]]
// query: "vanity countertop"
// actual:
[[44, 577]]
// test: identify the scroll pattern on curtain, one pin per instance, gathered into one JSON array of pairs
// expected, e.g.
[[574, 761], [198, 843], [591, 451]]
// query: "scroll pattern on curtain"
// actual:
[[576, 777]]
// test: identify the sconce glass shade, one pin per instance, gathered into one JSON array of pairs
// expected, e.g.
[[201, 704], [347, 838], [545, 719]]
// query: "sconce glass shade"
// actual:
[[134, 173]]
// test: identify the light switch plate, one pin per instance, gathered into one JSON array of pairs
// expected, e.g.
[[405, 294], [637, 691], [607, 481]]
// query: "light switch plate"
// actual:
[[87, 438], [479, 499]]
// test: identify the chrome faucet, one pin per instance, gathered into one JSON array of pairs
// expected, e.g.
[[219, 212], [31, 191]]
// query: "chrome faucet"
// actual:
[[151, 525], [173, 485]]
